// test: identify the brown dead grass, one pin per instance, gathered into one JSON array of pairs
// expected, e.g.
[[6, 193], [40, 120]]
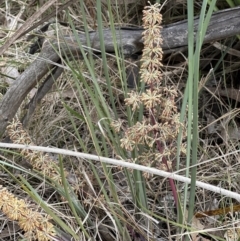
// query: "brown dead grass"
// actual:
[[51, 126]]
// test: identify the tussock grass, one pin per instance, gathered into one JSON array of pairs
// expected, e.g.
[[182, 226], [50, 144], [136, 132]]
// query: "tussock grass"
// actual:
[[110, 202]]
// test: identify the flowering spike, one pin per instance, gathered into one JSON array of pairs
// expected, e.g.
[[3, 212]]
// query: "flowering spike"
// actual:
[[158, 131]]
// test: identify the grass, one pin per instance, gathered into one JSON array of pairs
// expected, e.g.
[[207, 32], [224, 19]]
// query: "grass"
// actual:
[[97, 200]]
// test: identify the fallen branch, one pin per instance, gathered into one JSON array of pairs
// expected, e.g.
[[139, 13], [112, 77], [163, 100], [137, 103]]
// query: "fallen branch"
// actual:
[[223, 24], [124, 163]]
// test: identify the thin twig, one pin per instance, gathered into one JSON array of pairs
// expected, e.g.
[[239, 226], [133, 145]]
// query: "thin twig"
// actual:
[[124, 163]]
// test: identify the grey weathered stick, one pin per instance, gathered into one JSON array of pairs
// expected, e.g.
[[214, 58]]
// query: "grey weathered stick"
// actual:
[[223, 24], [41, 92]]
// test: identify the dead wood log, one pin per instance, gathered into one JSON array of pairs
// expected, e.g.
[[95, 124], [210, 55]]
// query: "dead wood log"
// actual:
[[223, 24]]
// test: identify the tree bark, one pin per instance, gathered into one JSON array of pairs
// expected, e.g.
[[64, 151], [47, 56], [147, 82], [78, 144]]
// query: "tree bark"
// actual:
[[223, 24]]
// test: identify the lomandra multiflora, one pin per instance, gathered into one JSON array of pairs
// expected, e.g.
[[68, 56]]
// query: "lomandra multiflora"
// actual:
[[157, 133], [35, 225], [40, 162]]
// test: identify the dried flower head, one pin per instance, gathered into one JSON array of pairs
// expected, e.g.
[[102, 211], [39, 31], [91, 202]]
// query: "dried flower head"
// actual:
[[35, 225], [39, 161], [161, 127]]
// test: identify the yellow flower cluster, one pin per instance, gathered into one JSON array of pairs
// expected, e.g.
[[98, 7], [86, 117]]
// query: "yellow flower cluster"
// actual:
[[40, 162], [160, 126], [35, 225]]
